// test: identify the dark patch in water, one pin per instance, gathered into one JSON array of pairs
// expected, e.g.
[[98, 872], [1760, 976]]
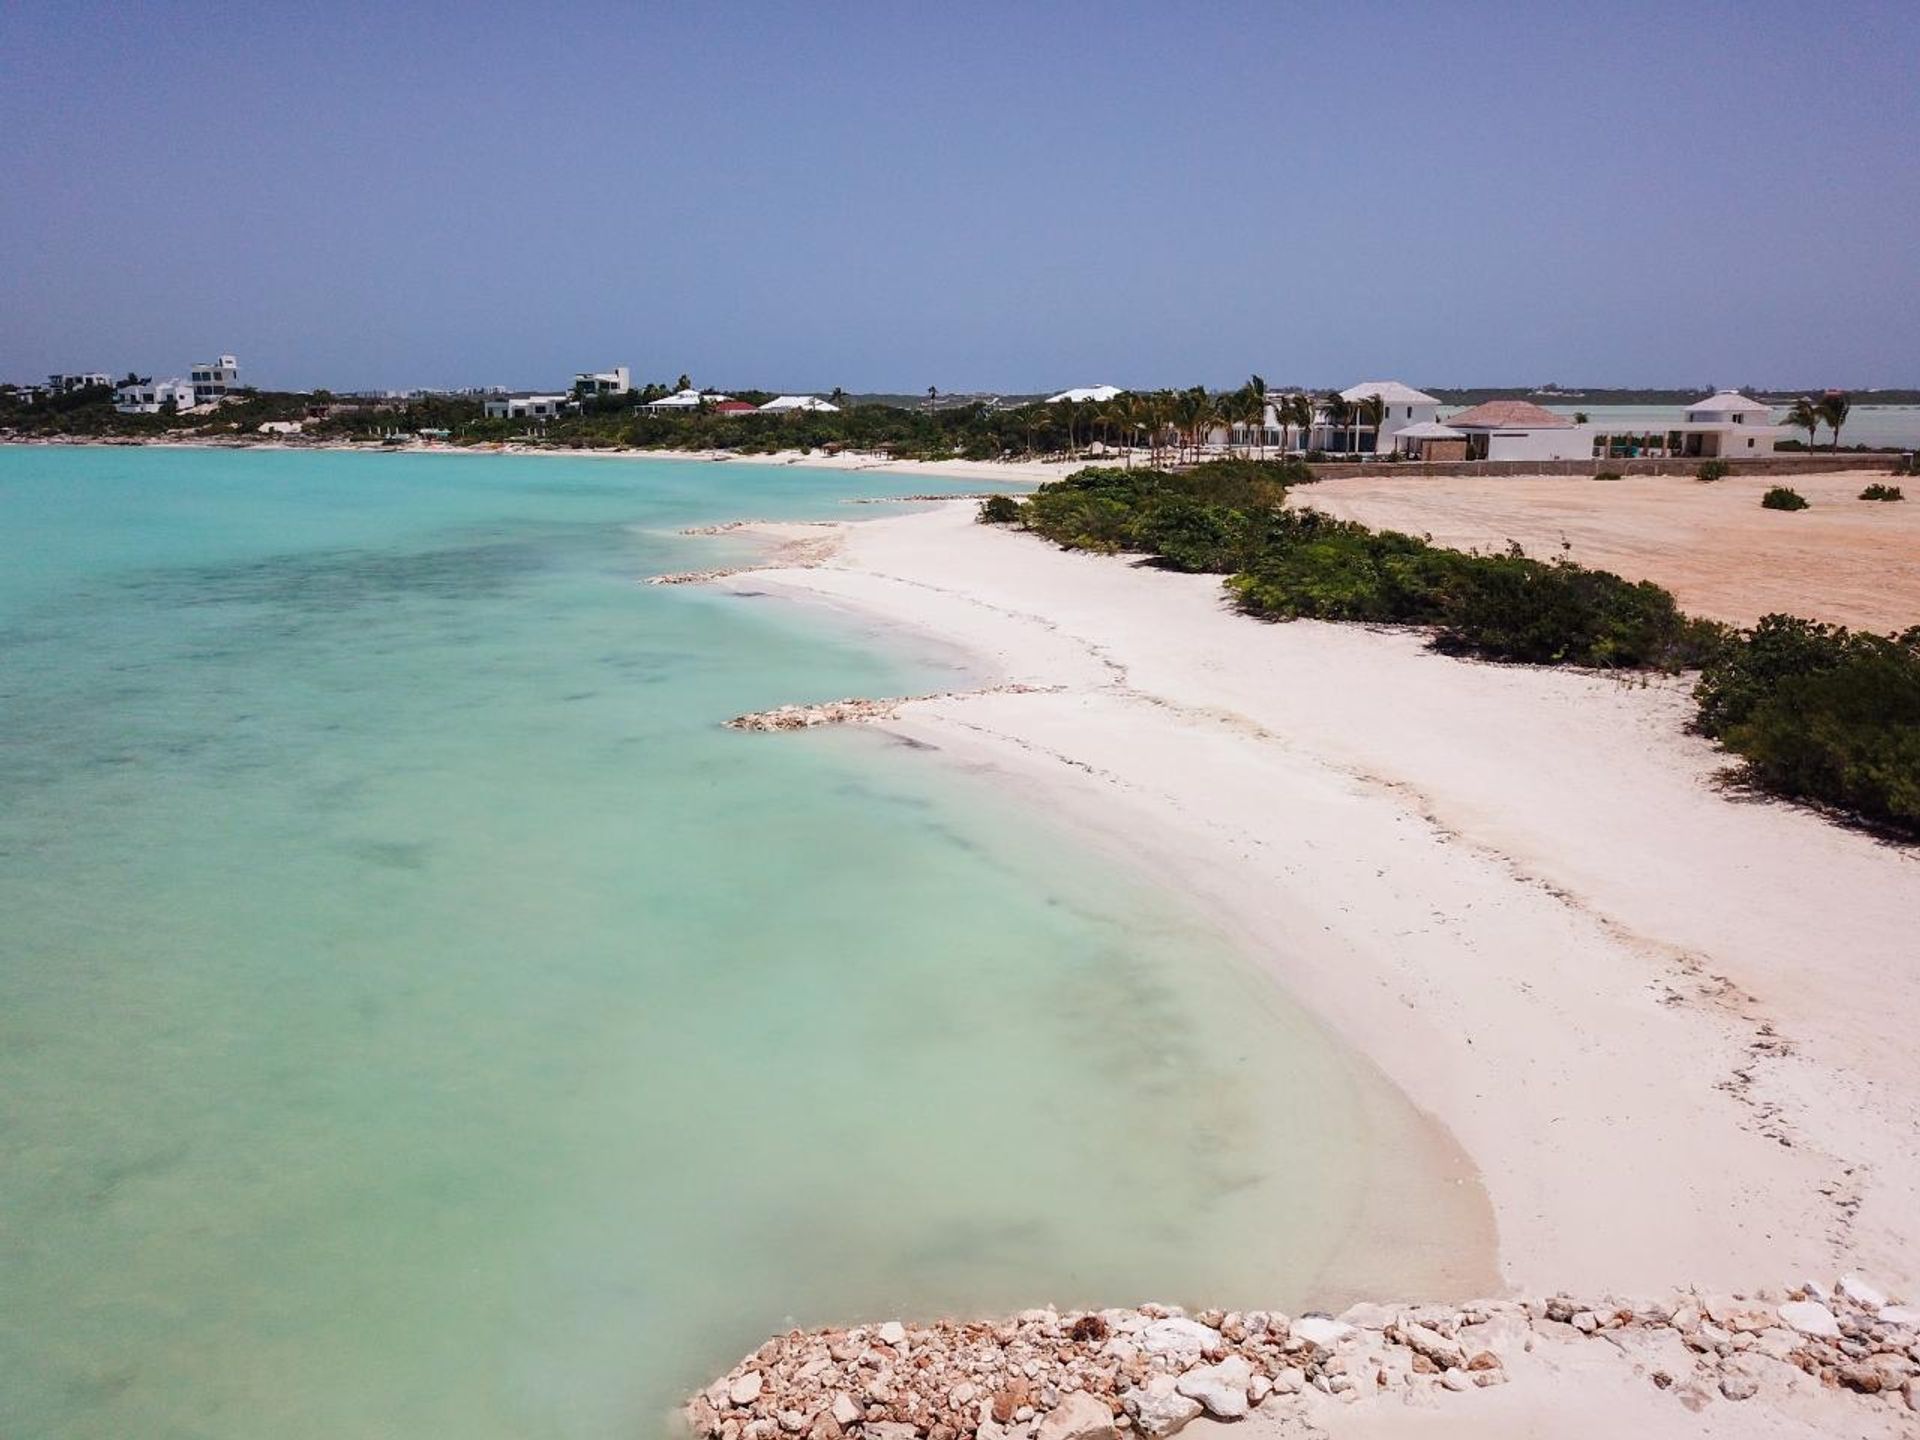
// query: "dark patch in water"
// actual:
[[109, 1178], [334, 580], [390, 854]]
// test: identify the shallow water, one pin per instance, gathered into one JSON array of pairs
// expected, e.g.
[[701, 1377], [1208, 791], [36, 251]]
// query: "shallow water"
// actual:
[[419, 1018]]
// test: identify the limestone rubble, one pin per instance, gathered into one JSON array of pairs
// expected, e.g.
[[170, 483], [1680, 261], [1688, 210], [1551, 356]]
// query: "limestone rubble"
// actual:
[[853, 710], [1044, 1375]]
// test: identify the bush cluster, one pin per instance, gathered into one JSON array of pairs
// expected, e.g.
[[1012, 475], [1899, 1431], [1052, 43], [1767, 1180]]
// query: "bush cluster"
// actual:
[[1877, 491], [999, 510], [1289, 564], [1822, 713], [1781, 498], [1711, 470]]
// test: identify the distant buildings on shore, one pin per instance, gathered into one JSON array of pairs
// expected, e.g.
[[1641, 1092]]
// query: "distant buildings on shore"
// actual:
[[212, 381], [1387, 417]]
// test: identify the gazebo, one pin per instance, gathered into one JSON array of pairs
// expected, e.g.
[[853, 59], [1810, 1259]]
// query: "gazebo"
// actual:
[[1431, 440]]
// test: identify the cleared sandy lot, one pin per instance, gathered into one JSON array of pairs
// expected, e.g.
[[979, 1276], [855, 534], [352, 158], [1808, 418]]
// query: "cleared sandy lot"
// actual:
[[1852, 561]]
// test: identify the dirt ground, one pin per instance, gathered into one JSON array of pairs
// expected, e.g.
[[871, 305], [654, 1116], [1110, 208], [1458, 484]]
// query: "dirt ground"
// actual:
[[1855, 562]]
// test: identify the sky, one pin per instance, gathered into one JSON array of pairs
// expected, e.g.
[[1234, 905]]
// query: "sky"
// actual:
[[977, 196]]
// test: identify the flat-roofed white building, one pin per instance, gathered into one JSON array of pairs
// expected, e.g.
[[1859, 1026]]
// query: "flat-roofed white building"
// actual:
[[214, 379], [65, 384], [152, 397], [525, 405], [616, 381]]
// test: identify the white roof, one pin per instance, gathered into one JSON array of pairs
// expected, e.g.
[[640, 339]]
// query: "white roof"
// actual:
[[1087, 392], [1429, 430], [1391, 391], [685, 400], [799, 402], [1727, 402]]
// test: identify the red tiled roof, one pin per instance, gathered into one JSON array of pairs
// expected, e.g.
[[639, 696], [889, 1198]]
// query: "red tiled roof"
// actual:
[[1509, 415], [733, 407]]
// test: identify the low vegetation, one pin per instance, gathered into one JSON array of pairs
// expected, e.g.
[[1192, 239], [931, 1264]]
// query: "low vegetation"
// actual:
[[1822, 713], [1782, 498], [1711, 470], [1815, 712], [1877, 491], [1291, 564]]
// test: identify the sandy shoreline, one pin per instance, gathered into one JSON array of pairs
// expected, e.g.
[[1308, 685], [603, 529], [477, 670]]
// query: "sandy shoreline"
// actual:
[[1020, 473], [1671, 1028]]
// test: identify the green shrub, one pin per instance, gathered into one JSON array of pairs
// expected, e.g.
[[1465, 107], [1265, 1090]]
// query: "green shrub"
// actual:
[[1781, 498], [1711, 470], [1877, 491], [1509, 607], [999, 510], [1822, 714]]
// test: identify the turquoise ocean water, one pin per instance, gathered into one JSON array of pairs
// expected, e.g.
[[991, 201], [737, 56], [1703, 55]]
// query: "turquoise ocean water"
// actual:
[[419, 1018]]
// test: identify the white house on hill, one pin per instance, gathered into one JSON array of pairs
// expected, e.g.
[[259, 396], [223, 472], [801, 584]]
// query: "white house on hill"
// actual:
[[788, 403], [1099, 393], [525, 406], [617, 381], [152, 397], [214, 379]]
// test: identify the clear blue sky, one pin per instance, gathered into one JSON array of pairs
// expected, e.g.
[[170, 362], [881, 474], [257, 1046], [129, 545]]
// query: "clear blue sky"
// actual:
[[1014, 196]]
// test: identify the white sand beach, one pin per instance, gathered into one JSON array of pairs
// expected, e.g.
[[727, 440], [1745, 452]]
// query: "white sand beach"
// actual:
[[1673, 1026]]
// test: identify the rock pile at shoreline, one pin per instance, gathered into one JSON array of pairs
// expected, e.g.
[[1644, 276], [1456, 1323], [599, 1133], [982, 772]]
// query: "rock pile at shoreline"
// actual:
[[854, 709], [1044, 1375]]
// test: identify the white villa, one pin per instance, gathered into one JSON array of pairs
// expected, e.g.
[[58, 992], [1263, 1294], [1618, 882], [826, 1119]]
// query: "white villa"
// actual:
[[213, 379], [151, 397], [1098, 393], [525, 405], [1724, 426], [688, 399], [617, 381], [789, 403], [1403, 406], [1503, 430], [65, 384]]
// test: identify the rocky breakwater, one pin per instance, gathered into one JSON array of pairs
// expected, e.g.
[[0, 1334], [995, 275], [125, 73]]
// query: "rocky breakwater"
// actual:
[[1044, 1375], [854, 710]]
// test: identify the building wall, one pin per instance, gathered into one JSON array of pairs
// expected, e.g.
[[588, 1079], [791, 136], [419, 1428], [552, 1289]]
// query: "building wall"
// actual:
[[1574, 443], [1788, 464]]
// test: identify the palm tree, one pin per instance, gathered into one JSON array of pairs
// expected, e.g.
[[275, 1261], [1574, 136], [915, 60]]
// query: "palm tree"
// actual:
[[1804, 414], [1833, 408], [1036, 425], [1257, 388], [1373, 410], [839, 397], [1296, 411], [1339, 410]]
